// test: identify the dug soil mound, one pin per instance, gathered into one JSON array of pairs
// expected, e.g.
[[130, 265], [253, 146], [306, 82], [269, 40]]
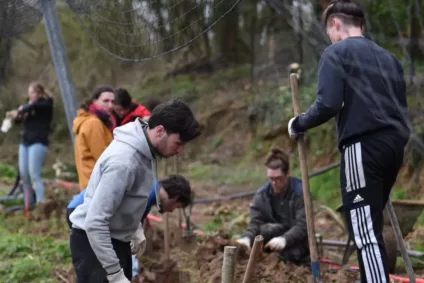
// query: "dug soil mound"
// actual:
[[269, 267], [203, 264]]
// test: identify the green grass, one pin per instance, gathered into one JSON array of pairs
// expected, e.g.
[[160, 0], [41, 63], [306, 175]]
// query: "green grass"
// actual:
[[29, 258], [253, 176], [325, 188], [7, 172]]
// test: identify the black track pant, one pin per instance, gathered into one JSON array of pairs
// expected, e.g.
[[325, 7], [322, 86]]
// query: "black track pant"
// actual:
[[368, 171], [87, 267]]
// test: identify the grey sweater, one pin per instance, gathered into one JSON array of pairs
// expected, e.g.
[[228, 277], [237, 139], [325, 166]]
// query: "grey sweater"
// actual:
[[117, 193]]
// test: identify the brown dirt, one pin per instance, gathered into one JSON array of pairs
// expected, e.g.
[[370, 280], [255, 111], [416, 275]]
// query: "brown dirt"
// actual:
[[204, 263], [201, 261]]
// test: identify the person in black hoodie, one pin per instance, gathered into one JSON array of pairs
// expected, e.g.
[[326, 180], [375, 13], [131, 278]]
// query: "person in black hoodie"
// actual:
[[362, 85], [36, 117]]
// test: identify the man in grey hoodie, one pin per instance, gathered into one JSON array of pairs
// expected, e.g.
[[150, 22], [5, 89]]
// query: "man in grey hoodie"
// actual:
[[118, 190]]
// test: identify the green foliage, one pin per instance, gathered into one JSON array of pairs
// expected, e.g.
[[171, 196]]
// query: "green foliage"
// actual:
[[420, 222], [188, 87], [30, 258], [253, 176], [228, 220], [26, 270], [325, 188], [213, 225], [7, 172], [398, 193]]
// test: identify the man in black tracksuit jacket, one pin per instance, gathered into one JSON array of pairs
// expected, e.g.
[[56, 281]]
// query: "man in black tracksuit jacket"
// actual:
[[362, 85], [274, 215]]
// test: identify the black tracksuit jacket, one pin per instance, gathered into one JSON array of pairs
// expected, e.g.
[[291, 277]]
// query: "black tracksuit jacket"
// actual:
[[363, 85]]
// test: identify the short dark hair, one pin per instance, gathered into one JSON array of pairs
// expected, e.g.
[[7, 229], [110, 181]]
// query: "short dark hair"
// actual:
[[177, 118], [350, 12], [96, 94], [278, 159], [123, 98], [177, 186]]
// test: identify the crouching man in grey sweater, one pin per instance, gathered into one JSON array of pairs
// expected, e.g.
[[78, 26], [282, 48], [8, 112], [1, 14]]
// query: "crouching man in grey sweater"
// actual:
[[116, 196]]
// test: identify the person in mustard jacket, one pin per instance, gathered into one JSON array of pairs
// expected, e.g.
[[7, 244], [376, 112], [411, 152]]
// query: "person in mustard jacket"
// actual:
[[93, 128]]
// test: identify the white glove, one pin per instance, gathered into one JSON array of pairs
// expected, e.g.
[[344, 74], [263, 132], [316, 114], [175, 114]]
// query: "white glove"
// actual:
[[292, 133], [118, 277], [244, 241], [276, 244], [138, 241]]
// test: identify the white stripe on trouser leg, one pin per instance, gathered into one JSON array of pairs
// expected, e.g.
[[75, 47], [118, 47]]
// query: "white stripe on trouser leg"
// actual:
[[347, 170], [354, 175], [358, 155], [366, 242], [354, 170]]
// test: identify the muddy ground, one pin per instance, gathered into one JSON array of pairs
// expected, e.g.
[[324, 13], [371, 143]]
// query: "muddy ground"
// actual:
[[200, 261]]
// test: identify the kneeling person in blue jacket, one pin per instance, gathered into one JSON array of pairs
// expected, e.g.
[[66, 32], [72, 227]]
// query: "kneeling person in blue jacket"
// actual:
[[174, 191], [277, 212]]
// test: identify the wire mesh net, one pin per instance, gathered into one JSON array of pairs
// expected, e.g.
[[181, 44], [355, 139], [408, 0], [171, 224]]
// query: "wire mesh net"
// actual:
[[142, 30], [18, 16]]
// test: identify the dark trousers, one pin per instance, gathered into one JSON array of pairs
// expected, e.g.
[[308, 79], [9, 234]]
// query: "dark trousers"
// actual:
[[87, 267], [297, 254], [368, 171]]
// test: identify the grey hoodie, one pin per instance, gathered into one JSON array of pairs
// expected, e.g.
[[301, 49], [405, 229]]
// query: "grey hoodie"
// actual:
[[117, 193]]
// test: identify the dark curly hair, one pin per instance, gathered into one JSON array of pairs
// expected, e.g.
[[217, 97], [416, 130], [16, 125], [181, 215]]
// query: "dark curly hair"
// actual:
[[176, 117], [277, 159], [177, 186]]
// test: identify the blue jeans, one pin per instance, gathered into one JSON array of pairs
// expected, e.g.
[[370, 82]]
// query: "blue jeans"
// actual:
[[31, 159], [135, 266]]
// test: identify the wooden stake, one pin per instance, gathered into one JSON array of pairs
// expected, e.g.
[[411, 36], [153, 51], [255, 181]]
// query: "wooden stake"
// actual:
[[166, 222], [256, 249], [229, 264], [180, 212], [305, 184]]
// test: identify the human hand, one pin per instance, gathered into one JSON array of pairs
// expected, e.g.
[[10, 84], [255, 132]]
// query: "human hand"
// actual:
[[276, 244], [138, 242], [245, 241], [292, 131], [12, 114], [118, 277]]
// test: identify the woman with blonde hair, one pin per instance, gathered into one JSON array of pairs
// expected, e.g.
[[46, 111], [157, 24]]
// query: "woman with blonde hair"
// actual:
[[36, 117]]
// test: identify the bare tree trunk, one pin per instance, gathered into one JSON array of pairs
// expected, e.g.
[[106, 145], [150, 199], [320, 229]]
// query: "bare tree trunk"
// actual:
[[5, 59]]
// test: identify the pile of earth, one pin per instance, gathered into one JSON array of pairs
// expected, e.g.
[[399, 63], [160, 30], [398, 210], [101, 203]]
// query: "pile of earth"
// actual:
[[203, 263], [269, 267]]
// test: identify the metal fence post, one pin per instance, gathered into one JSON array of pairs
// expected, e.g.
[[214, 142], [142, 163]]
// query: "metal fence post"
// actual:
[[60, 61]]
